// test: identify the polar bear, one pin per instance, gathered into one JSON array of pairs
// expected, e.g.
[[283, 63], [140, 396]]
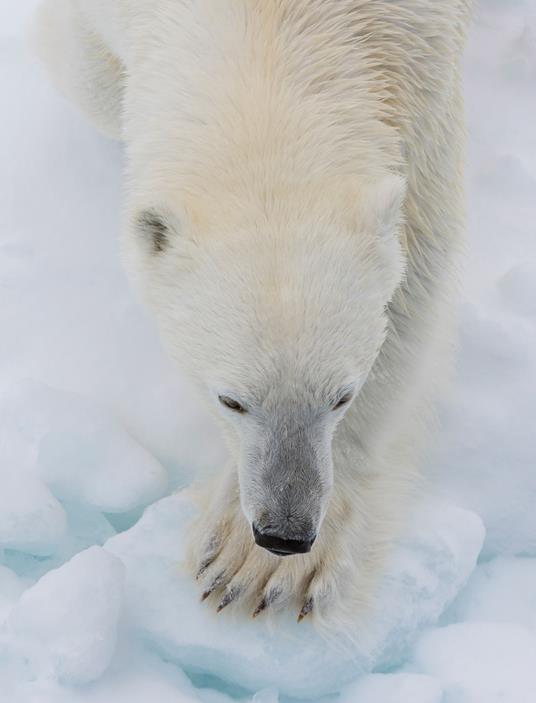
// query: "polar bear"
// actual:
[[293, 218]]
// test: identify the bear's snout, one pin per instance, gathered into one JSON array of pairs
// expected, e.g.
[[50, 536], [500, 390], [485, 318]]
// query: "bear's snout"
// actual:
[[280, 545]]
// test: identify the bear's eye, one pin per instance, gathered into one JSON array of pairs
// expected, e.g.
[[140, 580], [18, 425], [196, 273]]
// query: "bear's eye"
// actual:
[[153, 226], [231, 404], [343, 400]]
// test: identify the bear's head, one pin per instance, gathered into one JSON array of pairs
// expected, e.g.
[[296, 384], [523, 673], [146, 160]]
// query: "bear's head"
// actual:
[[276, 306]]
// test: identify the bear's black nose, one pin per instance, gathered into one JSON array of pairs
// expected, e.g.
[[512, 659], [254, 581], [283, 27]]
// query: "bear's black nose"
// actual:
[[281, 546]]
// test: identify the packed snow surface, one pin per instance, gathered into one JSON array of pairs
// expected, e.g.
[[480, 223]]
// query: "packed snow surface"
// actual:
[[97, 431], [424, 575], [66, 624]]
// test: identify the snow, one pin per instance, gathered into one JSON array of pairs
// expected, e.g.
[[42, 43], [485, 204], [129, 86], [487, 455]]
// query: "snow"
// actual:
[[133, 676], [480, 661], [31, 518], [65, 625], [488, 455], [78, 450], [11, 589], [394, 688], [163, 605], [95, 426], [502, 590]]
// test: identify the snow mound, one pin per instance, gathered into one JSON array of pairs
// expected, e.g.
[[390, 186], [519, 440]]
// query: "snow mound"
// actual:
[[503, 590], [476, 662], [518, 287], [31, 519], [393, 688], [77, 449], [163, 605], [10, 591], [65, 626]]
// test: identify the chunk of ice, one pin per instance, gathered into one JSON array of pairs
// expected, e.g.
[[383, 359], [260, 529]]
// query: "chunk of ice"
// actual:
[[10, 590], [163, 604], [78, 449], [393, 688], [65, 626], [478, 661], [502, 590], [31, 519]]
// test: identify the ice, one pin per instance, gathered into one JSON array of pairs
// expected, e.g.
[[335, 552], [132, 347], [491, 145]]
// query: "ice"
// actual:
[[31, 519], [520, 59], [488, 453], [83, 445], [502, 590], [163, 604], [10, 590], [65, 626], [479, 662], [84, 528], [78, 449], [428, 570], [134, 676], [70, 475], [266, 695], [518, 287], [393, 688]]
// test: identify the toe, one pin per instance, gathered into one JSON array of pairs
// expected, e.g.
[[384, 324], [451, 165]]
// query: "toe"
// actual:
[[319, 595], [270, 599], [307, 608], [212, 583], [232, 593], [209, 553], [218, 569], [219, 572], [249, 580], [280, 588]]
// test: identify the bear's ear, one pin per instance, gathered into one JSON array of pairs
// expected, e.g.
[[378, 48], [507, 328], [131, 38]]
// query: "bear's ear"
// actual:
[[157, 228], [384, 199], [380, 212]]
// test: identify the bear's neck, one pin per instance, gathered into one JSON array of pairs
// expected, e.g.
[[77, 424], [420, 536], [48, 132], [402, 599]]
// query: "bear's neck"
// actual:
[[258, 89]]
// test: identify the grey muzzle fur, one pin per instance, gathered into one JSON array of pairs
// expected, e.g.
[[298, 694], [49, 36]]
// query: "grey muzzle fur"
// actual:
[[285, 483]]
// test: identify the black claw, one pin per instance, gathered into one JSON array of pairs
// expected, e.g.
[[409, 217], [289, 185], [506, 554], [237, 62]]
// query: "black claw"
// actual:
[[231, 595], [213, 586], [202, 570], [262, 605], [204, 566], [306, 608], [211, 552], [267, 600]]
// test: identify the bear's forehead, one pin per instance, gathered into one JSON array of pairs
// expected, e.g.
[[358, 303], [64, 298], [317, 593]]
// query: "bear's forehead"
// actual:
[[291, 371], [260, 328]]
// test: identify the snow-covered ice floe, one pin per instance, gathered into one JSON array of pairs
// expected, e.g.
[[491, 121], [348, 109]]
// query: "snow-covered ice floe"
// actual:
[[65, 626], [75, 447], [480, 661], [62, 633], [164, 608], [65, 463]]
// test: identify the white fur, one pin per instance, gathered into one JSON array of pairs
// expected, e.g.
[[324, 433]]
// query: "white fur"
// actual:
[[303, 159]]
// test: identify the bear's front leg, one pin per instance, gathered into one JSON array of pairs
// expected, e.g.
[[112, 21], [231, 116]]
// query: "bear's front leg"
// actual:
[[331, 583], [223, 556]]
